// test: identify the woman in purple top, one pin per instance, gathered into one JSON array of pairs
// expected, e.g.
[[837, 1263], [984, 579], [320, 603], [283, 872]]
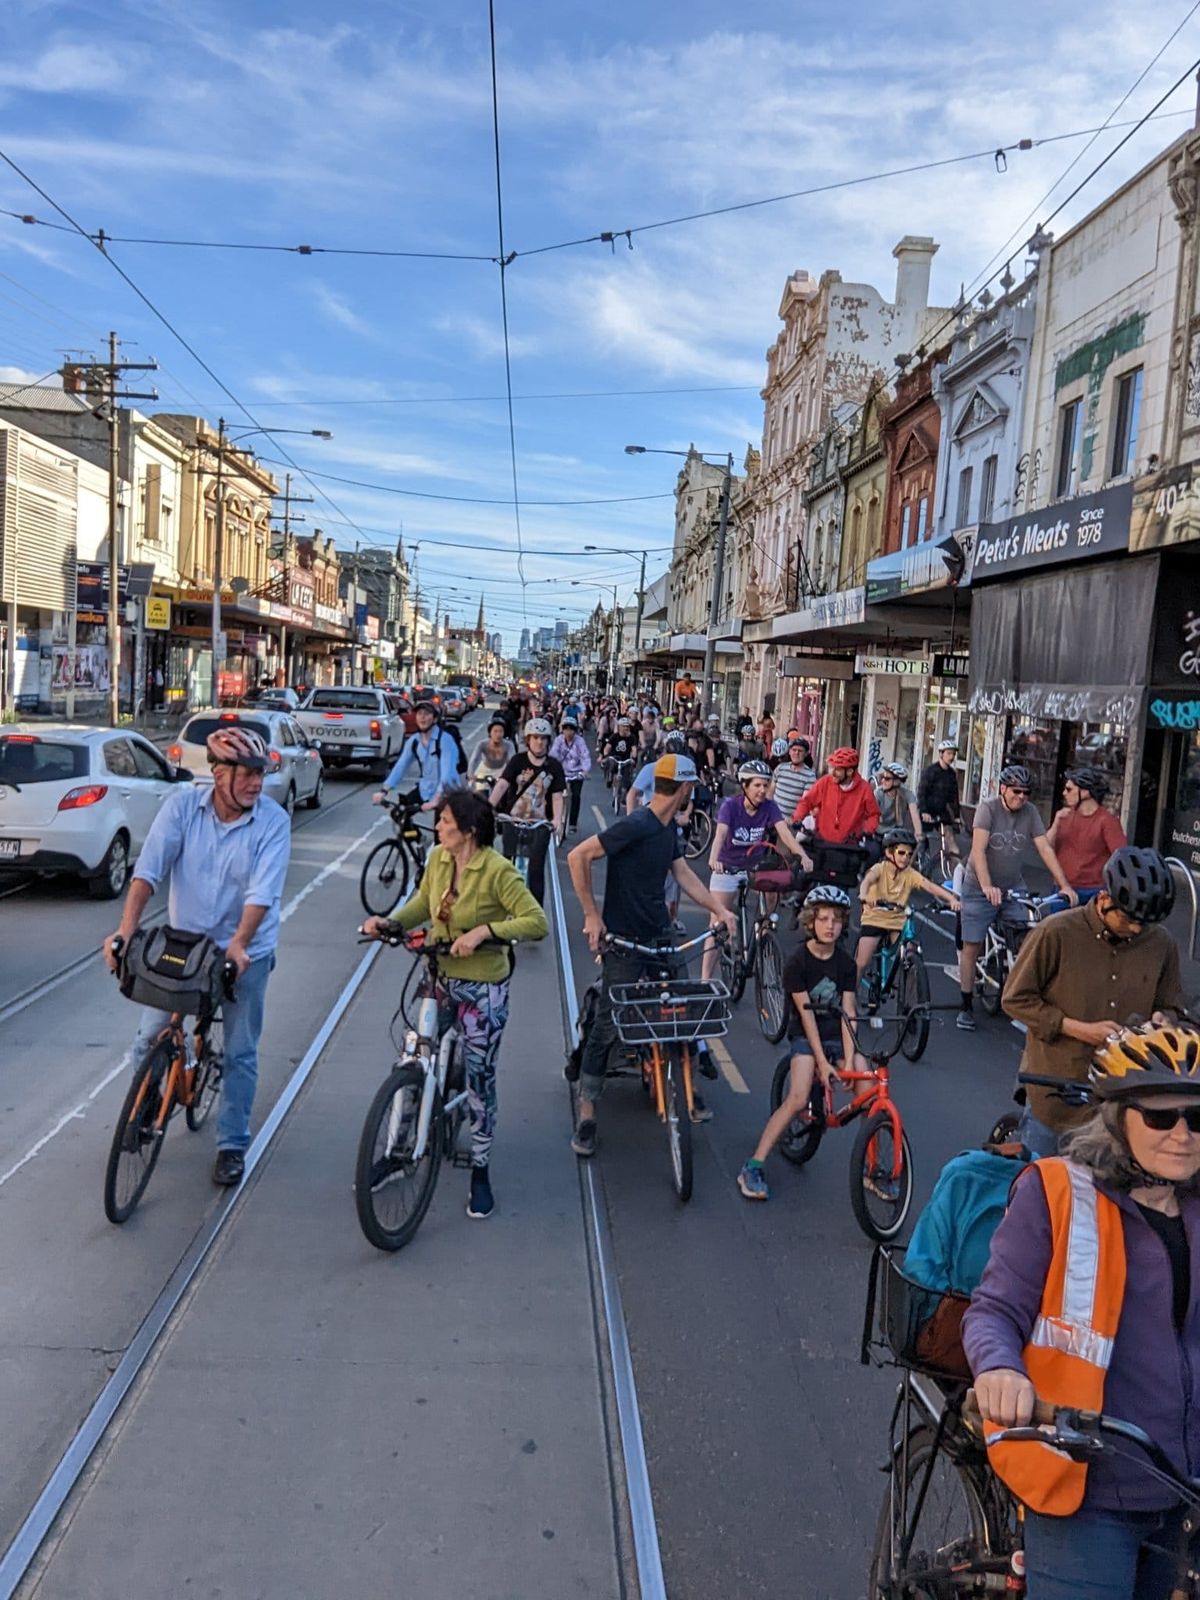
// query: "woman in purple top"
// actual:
[[744, 820]]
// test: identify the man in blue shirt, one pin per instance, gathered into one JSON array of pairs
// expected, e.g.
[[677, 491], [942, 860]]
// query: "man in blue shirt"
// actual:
[[225, 850], [433, 754]]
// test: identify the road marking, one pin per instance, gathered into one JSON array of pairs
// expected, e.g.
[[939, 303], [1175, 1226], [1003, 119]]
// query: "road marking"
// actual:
[[601, 820], [729, 1067], [326, 872]]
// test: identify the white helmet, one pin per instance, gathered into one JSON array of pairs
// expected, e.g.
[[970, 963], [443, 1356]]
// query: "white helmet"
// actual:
[[537, 725]]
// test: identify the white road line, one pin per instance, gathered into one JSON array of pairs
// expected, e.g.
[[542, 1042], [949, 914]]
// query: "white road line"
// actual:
[[601, 819], [77, 1113]]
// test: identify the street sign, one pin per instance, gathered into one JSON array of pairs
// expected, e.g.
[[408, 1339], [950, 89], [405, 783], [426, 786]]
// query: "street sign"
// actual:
[[158, 612], [893, 666], [952, 666]]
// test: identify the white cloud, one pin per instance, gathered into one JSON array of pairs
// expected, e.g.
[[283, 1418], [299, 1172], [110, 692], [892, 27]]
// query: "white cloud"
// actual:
[[338, 309], [486, 339]]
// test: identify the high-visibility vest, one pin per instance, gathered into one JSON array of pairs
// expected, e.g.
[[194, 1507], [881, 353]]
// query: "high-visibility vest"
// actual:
[[1071, 1343]]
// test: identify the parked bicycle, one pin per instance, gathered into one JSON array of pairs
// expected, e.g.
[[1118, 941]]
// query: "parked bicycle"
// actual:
[[181, 1069], [897, 975], [417, 1113], [881, 1166], [660, 1018], [397, 864]]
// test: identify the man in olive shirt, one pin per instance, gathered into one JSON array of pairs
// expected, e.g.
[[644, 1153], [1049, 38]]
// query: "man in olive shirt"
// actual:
[[1082, 974]]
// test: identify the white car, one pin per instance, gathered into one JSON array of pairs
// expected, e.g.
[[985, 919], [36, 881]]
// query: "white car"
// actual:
[[78, 800], [296, 775]]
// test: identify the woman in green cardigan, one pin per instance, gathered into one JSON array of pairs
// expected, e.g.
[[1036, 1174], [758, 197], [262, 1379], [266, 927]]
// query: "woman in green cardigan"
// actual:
[[470, 894]]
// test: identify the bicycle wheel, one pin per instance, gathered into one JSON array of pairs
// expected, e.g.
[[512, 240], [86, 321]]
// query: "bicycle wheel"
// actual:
[[207, 1084], [947, 1542], [679, 1123], [734, 962], [913, 990], [880, 1200], [990, 974], [392, 1189], [384, 878], [803, 1139], [700, 832], [769, 997], [136, 1138]]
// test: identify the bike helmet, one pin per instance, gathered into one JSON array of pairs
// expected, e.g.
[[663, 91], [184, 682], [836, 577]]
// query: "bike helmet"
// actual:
[[1014, 777], [753, 769], [897, 769], [948, 744], [569, 722], [713, 722], [669, 722], [428, 704], [1151, 1059], [624, 722], [843, 757], [1089, 781], [828, 894], [235, 746], [537, 727], [497, 722], [675, 744], [779, 747], [899, 836], [1140, 883]]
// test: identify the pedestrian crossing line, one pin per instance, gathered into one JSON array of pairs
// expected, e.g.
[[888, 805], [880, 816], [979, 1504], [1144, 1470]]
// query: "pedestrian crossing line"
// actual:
[[601, 819], [729, 1067]]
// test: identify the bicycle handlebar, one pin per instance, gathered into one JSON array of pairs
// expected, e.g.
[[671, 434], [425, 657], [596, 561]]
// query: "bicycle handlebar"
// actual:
[[229, 971], [876, 1054], [403, 939], [613, 941]]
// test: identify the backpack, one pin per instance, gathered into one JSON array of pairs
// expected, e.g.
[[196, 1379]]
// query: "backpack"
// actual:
[[950, 1243], [461, 759]]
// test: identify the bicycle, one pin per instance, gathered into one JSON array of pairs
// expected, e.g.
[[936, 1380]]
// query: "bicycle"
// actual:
[[180, 1069], [755, 949], [939, 862], [1001, 946], [416, 1115], [622, 778], [881, 1165], [659, 1018], [523, 836], [386, 871], [897, 971], [698, 829]]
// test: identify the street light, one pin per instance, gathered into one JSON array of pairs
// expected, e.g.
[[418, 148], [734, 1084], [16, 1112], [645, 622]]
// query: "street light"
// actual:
[[710, 643], [591, 583], [596, 549]]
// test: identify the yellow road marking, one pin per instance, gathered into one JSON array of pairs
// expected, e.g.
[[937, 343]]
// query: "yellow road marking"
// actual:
[[601, 819], [729, 1067]]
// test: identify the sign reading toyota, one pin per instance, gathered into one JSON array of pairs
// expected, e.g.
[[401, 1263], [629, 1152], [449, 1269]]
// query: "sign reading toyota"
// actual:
[[1072, 530]]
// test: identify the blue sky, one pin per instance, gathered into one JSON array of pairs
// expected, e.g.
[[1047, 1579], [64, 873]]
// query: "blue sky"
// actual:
[[369, 125]]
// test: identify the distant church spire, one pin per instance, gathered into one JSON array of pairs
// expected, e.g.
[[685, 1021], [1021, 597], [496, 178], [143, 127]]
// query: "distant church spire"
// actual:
[[480, 624]]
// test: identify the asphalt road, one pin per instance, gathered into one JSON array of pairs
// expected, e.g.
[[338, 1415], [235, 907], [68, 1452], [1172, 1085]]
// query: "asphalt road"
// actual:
[[764, 1434]]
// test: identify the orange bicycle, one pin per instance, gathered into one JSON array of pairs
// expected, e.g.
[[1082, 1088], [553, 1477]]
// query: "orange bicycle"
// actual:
[[881, 1169], [180, 1069], [659, 1018]]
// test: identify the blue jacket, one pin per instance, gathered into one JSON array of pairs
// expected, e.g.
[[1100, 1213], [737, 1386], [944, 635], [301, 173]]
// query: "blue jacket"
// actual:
[[436, 762]]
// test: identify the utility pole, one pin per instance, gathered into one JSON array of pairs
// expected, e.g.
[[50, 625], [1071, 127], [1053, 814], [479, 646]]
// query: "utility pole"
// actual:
[[714, 607], [637, 627]]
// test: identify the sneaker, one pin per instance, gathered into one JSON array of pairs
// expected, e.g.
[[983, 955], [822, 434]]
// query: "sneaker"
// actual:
[[584, 1140], [966, 1021], [700, 1112], [482, 1202], [229, 1168], [705, 1065], [752, 1182], [678, 927]]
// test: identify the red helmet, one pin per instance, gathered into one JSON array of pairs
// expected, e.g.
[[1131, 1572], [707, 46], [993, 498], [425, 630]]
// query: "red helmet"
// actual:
[[845, 757]]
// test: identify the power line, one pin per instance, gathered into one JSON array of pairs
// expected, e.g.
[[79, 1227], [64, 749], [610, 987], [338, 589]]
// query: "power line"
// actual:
[[466, 499], [504, 265], [476, 399]]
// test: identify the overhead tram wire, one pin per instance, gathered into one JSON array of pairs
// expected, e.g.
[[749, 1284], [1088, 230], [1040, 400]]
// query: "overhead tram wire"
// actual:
[[473, 500], [477, 399]]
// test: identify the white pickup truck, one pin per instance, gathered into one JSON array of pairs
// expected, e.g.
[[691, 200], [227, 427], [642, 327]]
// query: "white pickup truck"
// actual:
[[352, 726]]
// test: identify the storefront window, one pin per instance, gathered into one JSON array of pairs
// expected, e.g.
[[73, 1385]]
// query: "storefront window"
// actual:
[[1034, 746], [906, 731], [1181, 832], [1052, 749]]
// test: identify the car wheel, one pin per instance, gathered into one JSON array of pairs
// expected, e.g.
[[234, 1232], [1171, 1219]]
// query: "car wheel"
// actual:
[[110, 881], [289, 802], [318, 794]]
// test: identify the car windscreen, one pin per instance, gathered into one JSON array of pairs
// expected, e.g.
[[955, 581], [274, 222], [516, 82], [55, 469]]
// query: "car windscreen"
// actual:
[[40, 760], [341, 700], [199, 728]]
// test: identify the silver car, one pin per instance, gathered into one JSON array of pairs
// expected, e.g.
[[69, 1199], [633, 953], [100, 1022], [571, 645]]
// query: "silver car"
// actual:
[[296, 775]]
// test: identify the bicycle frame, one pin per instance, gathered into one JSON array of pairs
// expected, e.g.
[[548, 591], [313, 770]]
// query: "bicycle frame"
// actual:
[[419, 1045], [876, 1097], [654, 1065], [181, 1077]]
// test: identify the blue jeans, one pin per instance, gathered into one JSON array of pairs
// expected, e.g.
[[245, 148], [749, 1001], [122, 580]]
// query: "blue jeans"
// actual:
[[1101, 1554], [243, 1018], [1036, 1136]]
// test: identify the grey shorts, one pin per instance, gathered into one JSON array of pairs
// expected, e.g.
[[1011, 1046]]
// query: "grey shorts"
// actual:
[[979, 914]]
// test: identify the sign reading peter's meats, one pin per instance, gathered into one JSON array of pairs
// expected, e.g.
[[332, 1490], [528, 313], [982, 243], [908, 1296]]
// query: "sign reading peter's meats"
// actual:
[[1072, 530]]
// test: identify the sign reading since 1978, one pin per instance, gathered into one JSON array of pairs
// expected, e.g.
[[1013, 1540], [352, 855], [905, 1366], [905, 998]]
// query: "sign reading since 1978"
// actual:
[[1074, 530]]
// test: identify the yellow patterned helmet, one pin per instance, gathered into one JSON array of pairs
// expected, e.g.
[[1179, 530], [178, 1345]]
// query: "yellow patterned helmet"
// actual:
[[1150, 1059]]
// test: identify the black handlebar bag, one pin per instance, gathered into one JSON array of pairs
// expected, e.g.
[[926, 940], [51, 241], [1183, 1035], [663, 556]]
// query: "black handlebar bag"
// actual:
[[172, 970]]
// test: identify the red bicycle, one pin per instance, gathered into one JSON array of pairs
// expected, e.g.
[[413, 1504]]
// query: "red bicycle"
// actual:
[[881, 1168]]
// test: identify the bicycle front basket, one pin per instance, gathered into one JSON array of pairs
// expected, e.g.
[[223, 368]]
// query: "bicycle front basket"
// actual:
[[172, 970], [672, 1011], [922, 1327]]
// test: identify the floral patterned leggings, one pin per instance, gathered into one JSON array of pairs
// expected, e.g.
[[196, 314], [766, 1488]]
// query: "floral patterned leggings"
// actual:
[[481, 1010]]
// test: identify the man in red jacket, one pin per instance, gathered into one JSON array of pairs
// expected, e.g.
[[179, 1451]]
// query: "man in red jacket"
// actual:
[[842, 804]]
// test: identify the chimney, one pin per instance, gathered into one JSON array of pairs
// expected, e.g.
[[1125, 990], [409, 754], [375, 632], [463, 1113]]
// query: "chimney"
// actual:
[[914, 261]]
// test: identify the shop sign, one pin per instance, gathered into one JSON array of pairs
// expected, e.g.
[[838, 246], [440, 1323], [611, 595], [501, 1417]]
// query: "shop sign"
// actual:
[[893, 666], [1179, 712], [1166, 509], [330, 615], [836, 610], [1055, 703], [816, 667], [921, 568], [951, 666], [301, 595], [158, 612], [203, 597], [1183, 836], [1074, 530]]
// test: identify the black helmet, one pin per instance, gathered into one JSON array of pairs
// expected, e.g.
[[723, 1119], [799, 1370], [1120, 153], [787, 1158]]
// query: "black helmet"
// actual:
[[675, 744], [1140, 883], [895, 836], [1090, 781], [1015, 777]]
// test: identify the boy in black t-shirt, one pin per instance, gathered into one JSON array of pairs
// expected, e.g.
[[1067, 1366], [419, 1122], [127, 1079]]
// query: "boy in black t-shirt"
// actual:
[[817, 974]]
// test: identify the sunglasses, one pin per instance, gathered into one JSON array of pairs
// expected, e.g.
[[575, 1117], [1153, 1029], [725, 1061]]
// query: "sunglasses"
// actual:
[[901, 850], [1012, 789], [1161, 1119]]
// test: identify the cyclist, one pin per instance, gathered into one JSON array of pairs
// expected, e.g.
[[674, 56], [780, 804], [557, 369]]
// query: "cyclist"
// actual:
[[532, 789], [467, 895], [1002, 828], [937, 795], [650, 737], [794, 776], [749, 746], [893, 881], [434, 755], [718, 748], [743, 821], [620, 745], [571, 752], [1089, 1299], [640, 849], [225, 850], [896, 801], [1081, 972], [491, 755], [842, 804], [1085, 833], [817, 973]]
